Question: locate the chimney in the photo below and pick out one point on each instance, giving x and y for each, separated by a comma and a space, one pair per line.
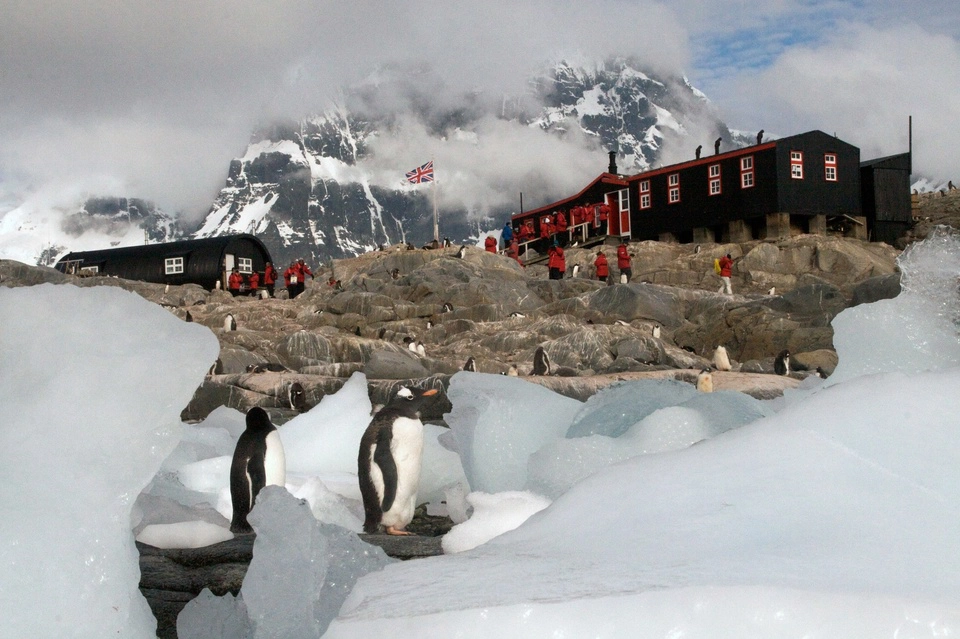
613, 162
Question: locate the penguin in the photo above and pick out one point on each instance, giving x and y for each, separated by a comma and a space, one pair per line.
447, 307
381, 332
576, 271
781, 365
462, 251
166, 289
517, 315
216, 368
356, 331
421, 351
395, 274
189, 317
541, 362
388, 464
656, 331
705, 381
697, 249
772, 291
622, 323
512, 371
721, 361
297, 397
429, 324
411, 344
470, 365
229, 323
447, 243
623, 278
258, 461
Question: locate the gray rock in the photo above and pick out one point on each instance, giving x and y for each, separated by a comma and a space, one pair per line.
385, 364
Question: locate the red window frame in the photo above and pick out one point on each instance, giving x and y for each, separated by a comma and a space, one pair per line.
746, 172
673, 190
796, 165
830, 167
714, 182
645, 202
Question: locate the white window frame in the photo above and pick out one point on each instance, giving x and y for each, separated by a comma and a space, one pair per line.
623, 199
245, 265
645, 201
796, 165
90, 270
830, 167
714, 173
746, 172
673, 193
173, 266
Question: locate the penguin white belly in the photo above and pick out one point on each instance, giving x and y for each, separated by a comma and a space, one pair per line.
406, 447
275, 462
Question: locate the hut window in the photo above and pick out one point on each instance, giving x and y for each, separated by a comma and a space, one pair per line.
746, 172
90, 270
796, 165
645, 194
173, 265
830, 167
674, 191
714, 179
245, 264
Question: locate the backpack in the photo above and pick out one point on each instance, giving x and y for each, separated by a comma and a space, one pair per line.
716, 265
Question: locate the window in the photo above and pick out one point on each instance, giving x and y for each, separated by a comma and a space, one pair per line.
623, 199
89, 270
746, 172
714, 179
673, 193
645, 194
830, 167
245, 264
796, 165
173, 265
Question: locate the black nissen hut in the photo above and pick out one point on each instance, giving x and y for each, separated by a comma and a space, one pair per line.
205, 262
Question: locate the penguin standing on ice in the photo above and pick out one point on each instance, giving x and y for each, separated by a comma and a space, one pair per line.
541, 362
388, 464
258, 461
781, 365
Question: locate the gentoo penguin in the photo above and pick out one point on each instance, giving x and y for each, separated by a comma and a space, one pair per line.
470, 365
781, 365
720, 359
388, 464
705, 381
166, 289
512, 371
656, 331
462, 251
541, 362
517, 315
697, 249
623, 278
258, 461
395, 274
429, 324
297, 397
772, 291
621, 323
421, 351
357, 332
189, 317
447, 307
576, 271
411, 344
229, 323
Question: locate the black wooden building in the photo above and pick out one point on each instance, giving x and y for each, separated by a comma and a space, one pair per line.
885, 193
805, 183
205, 262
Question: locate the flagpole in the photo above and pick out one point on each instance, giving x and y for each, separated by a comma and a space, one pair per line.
436, 225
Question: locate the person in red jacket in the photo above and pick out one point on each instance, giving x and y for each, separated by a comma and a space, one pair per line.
269, 278
291, 278
557, 262
513, 251
562, 227
235, 282
490, 244
726, 270
302, 271
623, 261
254, 283
604, 215
603, 269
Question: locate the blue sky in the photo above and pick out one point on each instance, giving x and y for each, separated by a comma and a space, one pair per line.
111, 95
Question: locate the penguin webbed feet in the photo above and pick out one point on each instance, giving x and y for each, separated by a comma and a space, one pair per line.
390, 530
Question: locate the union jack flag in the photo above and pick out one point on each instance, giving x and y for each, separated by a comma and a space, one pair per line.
421, 174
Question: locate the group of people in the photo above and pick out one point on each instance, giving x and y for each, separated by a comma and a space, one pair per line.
294, 279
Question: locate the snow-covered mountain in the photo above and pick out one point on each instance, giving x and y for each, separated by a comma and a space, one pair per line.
331, 185
310, 189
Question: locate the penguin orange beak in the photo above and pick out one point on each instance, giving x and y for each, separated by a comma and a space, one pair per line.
428, 393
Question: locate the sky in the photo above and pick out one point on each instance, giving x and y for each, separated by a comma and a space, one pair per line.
153, 100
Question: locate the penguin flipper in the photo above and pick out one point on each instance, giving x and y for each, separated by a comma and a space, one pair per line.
258, 474
383, 458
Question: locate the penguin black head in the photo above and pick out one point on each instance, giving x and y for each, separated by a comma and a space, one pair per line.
297, 397
409, 401
258, 420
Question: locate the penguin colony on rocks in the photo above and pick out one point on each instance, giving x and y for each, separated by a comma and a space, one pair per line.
388, 464
258, 461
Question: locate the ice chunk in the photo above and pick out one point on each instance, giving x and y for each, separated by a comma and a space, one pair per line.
498, 421
441, 467
207, 616
185, 534
330, 508
493, 515
206, 475
327, 438
616, 408
93, 383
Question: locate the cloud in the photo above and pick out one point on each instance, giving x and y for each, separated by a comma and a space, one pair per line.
862, 84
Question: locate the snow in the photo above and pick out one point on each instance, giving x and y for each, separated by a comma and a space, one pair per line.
830, 513
287, 147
